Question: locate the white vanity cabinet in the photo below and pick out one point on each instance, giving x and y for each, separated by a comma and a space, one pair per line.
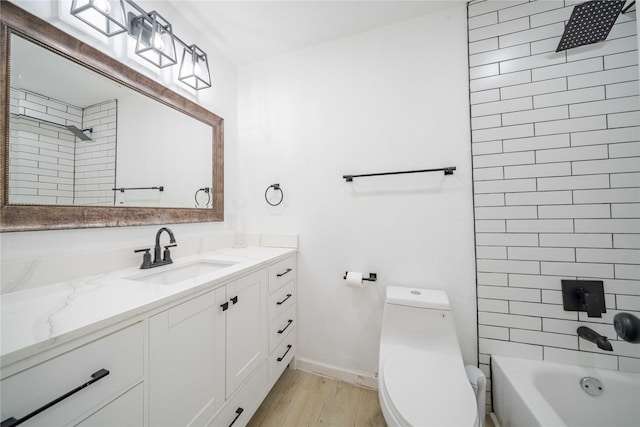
202, 350
246, 328
187, 361
205, 357
282, 316
113, 364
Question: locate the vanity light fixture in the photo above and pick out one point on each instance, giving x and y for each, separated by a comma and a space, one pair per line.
154, 36
194, 68
155, 40
106, 16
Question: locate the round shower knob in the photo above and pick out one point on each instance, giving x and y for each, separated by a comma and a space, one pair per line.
627, 327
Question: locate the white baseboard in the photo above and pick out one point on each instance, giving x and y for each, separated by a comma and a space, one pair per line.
363, 379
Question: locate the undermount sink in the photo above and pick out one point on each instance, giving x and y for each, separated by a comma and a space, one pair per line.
177, 274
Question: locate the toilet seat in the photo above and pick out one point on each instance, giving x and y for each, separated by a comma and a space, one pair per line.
420, 388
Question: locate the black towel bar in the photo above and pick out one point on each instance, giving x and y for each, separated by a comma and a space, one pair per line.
447, 171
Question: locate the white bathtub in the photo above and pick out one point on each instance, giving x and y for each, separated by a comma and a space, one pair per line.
535, 393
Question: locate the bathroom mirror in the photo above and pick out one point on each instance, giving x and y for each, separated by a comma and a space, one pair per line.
118, 161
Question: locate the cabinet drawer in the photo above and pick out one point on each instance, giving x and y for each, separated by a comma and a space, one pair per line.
121, 353
239, 409
281, 300
280, 358
125, 411
281, 327
281, 273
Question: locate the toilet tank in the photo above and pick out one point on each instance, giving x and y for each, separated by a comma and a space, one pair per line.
420, 319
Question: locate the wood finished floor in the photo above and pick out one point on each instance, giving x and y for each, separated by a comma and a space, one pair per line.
302, 399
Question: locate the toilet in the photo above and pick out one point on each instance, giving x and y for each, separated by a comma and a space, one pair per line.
421, 376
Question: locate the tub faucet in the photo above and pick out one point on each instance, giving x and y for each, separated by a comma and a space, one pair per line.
590, 335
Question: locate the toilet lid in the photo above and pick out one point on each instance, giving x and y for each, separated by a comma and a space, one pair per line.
429, 389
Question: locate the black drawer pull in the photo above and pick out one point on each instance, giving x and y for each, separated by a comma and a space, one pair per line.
239, 412
285, 353
282, 302
10, 422
224, 306
285, 328
234, 300
282, 274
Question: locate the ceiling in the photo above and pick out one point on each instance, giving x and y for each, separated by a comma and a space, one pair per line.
247, 31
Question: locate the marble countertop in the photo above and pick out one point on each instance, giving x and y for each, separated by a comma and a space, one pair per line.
36, 319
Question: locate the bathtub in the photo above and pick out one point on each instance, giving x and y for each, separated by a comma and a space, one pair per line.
536, 393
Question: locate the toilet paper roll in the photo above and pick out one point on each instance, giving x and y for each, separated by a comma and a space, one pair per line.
354, 279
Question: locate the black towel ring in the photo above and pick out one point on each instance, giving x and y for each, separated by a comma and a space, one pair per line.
276, 187
207, 192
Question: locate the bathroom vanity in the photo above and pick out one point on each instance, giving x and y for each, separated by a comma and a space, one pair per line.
198, 342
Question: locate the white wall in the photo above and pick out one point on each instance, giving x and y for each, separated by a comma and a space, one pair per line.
392, 99
221, 99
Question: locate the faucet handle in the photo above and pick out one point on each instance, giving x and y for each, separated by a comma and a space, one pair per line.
146, 258
591, 302
166, 255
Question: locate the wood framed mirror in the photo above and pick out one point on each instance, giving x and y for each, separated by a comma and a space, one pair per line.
16, 214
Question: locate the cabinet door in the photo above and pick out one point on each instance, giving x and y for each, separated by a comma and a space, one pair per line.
246, 327
186, 361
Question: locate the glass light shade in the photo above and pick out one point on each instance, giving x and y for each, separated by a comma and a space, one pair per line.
155, 40
106, 16
194, 68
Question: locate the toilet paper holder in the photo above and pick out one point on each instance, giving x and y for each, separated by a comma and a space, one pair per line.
372, 277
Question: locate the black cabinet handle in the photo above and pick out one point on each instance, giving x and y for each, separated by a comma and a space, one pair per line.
10, 422
239, 412
285, 353
234, 300
282, 274
285, 328
224, 306
282, 302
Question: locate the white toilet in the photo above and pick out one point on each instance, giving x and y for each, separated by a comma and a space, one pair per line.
421, 376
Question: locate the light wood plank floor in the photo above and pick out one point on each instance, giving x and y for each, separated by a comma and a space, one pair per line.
302, 399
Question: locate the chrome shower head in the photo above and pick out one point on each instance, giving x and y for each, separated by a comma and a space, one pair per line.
590, 22
80, 133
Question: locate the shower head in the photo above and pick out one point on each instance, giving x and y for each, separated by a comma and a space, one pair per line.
590, 22
80, 133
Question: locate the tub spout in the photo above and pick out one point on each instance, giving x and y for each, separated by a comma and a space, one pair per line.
590, 335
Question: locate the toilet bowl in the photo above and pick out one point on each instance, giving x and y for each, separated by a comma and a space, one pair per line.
421, 376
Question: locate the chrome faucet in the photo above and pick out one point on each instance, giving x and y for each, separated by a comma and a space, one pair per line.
158, 260
590, 335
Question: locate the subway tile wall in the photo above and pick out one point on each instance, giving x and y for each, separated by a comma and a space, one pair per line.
556, 158
47, 164
41, 155
95, 160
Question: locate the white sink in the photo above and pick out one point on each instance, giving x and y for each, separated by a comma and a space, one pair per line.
172, 275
